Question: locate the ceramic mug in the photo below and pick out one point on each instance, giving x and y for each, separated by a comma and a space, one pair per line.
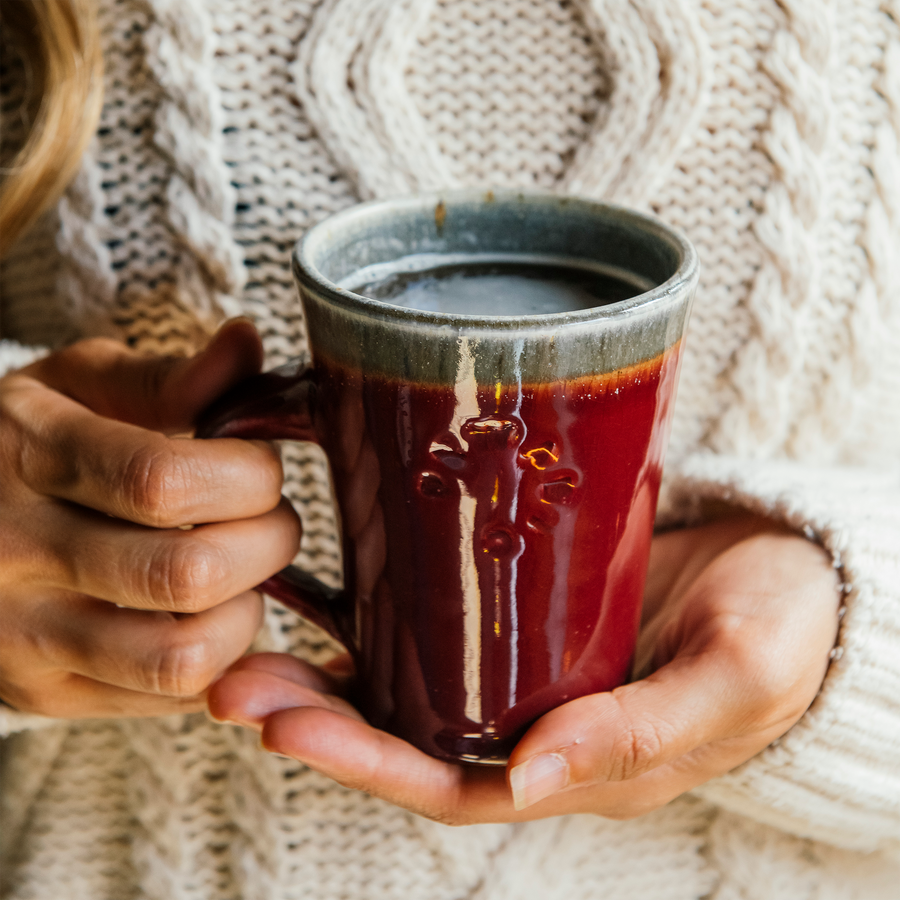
496, 474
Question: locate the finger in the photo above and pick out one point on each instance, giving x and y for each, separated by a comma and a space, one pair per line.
329, 735
340, 668
299, 671
152, 652
628, 799
620, 735
647, 792
246, 696
72, 696
157, 392
360, 757
68, 452
173, 569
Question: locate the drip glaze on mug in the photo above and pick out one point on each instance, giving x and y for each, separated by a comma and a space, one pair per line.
499, 537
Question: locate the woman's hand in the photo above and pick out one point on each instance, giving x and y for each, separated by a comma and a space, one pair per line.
109, 605
739, 620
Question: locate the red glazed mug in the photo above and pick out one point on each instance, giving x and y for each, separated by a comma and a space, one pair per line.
496, 471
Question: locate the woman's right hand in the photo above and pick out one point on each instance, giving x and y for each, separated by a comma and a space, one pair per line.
109, 605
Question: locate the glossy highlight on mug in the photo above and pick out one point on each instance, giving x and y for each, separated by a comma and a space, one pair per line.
500, 532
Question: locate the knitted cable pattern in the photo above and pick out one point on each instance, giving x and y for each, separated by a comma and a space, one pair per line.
176, 788
873, 321
188, 221
762, 864
768, 367
383, 96
199, 198
283, 177
858, 269
670, 99
75, 804
119, 226
526, 867
86, 278
341, 31
714, 192
286, 852
374, 79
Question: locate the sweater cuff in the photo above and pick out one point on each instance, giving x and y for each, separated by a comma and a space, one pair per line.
12, 720
15, 356
835, 776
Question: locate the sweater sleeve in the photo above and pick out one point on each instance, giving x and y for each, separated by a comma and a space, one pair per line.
14, 355
835, 776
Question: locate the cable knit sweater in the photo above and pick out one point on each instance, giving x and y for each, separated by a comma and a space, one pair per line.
767, 130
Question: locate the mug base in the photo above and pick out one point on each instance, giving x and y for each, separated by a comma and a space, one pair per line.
474, 749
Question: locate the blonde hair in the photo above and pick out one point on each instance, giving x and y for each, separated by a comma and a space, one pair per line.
61, 44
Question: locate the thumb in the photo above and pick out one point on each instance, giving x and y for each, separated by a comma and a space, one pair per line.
620, 735
163, 393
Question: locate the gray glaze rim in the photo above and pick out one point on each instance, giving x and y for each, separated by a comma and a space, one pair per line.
308, 275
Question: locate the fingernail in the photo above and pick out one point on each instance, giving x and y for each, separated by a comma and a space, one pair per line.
537, 778
227, 323
216, 721
223, 328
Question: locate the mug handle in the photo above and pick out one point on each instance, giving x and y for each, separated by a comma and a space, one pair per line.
280, 405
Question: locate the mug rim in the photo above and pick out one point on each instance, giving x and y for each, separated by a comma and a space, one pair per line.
309, 275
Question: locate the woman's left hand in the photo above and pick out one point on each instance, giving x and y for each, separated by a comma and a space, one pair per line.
739, 619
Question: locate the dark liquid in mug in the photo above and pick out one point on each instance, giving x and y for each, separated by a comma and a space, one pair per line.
496, 540
494, 286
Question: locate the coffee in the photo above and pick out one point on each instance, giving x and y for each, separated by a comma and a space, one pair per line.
510, 286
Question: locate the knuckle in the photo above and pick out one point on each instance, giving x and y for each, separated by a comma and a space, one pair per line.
155, 485
764, 682
183, 575
58, 366
30, 555
450, 817
771, 690
154, 377
451, 809
271, 469
89, 348
772, 699
88, 351
629, 809
635, 749
184, 668
767, 688
29, 445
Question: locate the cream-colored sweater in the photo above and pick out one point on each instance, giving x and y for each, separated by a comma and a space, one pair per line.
767, 130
